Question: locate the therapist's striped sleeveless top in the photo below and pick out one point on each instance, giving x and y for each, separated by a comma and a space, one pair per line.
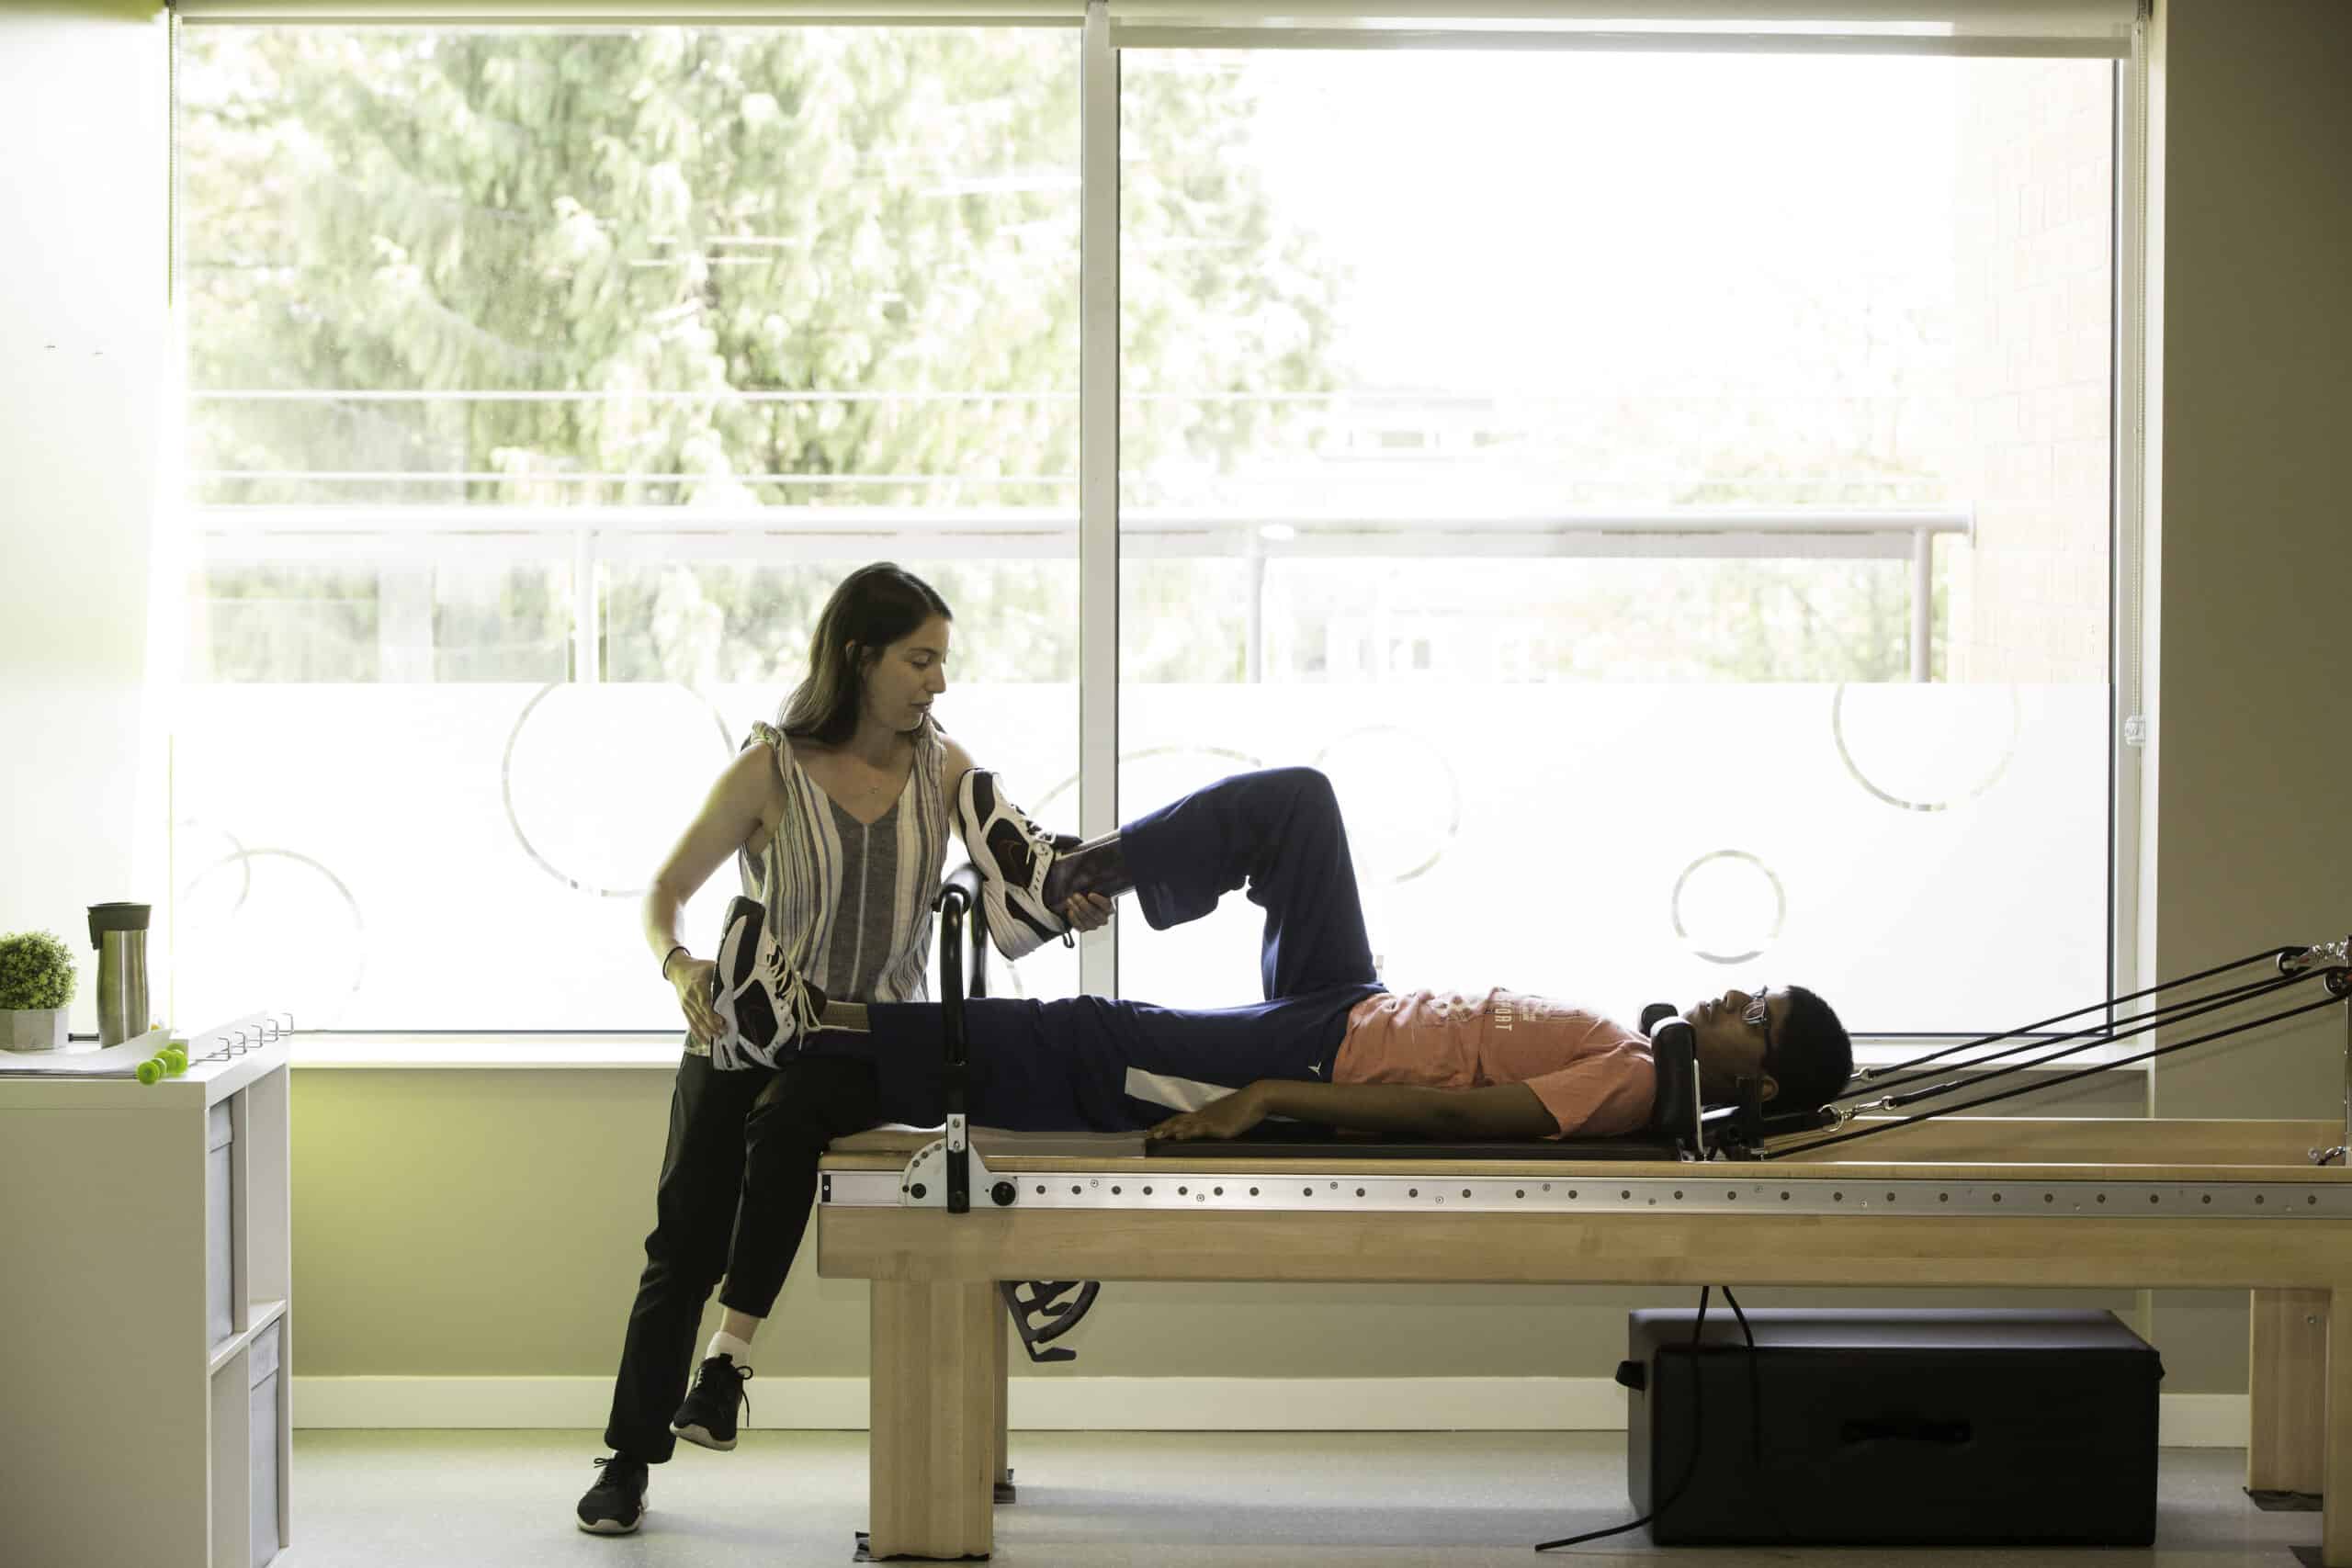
852, 901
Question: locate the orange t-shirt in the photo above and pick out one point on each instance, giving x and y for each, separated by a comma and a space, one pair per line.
1593, 1075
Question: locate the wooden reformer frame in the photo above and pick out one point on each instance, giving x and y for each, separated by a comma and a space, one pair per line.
1957, 1201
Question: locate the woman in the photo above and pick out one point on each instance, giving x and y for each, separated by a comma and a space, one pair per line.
839, 817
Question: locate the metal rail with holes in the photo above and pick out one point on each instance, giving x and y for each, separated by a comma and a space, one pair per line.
1306, 1191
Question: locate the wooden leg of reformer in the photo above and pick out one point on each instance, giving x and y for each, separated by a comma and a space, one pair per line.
2336, 1482
1001, 1346
932, 1454
2286, 1440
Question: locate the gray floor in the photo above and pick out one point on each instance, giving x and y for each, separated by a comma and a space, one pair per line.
379, 1499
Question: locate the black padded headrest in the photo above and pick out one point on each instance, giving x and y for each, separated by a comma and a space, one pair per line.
1674, 1109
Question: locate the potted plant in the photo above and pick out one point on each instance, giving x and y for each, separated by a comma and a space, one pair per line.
36, 984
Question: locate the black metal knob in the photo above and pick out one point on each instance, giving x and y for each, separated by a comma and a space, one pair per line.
1004, 1192
916, 1189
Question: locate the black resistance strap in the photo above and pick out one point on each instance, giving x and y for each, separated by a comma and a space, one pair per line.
2169, 1013
1867, 1079
1849, 1137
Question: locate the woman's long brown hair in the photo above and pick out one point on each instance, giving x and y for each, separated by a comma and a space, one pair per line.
874, 606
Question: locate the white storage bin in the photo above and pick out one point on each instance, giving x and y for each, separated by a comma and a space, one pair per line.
262, 1357
220, 1270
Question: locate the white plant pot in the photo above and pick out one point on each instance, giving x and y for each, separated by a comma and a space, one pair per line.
32, 1029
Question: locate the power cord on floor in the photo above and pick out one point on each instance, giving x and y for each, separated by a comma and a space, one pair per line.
1698, 1427
1689, 1469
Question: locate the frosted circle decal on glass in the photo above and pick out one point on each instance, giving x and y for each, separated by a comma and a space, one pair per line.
267, 927
1728, 906
598, 780
199, 843
1402, 800
1925, 746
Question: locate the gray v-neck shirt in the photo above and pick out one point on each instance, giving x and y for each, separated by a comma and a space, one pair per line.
864, 930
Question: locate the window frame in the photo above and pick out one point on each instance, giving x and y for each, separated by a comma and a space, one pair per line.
1105, 30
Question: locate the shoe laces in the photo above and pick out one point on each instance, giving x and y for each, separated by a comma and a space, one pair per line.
1040, 840
741, 1375
621, 1459
791, 990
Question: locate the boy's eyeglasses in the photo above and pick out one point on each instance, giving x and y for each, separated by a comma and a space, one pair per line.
1759, 1016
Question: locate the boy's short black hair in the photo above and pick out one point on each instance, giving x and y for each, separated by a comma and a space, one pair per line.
1813, 1056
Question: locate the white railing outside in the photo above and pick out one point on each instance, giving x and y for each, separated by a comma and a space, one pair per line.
586, 534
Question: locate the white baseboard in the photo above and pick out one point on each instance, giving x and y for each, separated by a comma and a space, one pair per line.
2203, 1420
1110, 1404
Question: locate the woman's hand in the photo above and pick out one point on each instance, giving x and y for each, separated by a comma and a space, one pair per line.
1227, 1118
1087, 911
691, 978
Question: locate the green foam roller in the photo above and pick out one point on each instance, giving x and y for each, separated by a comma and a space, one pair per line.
151, 1070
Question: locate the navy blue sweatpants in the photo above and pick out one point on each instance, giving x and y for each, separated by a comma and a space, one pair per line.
1101, 1063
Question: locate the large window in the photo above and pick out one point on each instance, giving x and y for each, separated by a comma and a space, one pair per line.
1670, 501
1667, 491
542, 385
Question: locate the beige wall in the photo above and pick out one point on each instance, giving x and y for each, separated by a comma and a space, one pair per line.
84, 129
488, 1223
2249, 615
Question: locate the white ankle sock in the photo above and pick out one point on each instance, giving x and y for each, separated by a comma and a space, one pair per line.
726, 1344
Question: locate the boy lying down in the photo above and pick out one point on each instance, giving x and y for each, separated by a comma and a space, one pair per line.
1328, 1044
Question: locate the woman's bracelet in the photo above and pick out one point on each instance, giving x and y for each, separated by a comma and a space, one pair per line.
669, 955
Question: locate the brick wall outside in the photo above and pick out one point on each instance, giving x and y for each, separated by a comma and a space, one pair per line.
2028, 601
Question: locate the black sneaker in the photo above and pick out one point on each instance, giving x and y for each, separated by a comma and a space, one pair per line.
616, 1504
707, 1416
766, 1007
1013, 855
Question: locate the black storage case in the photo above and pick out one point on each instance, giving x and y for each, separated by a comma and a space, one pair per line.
1930, 1428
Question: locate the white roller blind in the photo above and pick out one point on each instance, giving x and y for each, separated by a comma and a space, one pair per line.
2095, 28
2091, 29
546, 13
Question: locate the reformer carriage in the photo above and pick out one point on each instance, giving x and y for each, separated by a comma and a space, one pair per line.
951, 1230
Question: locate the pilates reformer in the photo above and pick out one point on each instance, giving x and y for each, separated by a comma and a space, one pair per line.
951, 1235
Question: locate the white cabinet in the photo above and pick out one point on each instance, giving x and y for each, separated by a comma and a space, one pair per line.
145, 1278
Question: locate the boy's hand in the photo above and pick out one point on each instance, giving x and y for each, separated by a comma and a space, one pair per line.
1227, 1118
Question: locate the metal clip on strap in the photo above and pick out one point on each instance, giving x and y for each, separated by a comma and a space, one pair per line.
2335, 954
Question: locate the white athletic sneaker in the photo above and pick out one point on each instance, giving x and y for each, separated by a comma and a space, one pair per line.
766, 1007
1013, 854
